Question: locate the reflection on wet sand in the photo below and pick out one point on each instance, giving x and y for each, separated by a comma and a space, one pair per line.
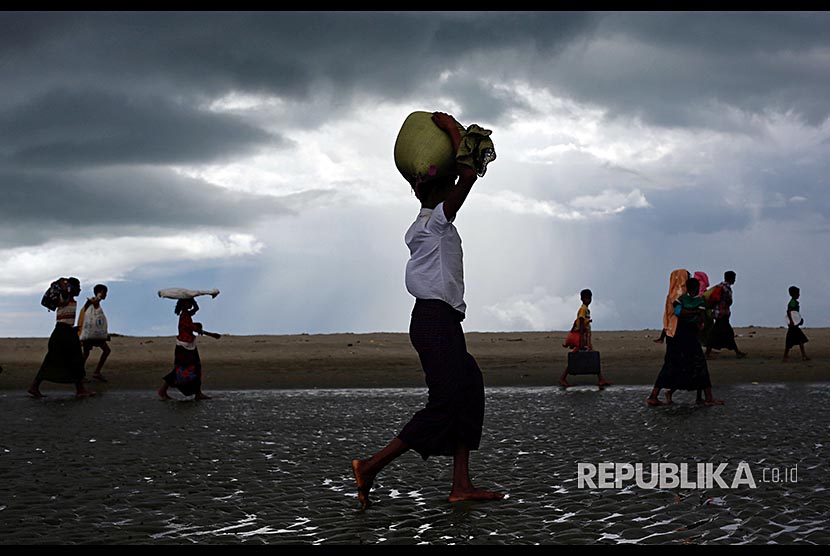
273, 467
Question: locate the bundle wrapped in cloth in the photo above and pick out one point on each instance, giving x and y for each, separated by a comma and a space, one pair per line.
424, 151
183, 293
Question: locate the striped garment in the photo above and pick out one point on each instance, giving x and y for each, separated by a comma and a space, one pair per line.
66, 313
454, 413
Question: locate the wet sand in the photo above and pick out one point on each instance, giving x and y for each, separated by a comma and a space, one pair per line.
272, 467
388, 360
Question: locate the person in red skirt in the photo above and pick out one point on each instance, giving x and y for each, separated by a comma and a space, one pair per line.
187, 367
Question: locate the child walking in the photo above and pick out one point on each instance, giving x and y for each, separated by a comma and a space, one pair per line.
579, 337
187, 367
795, 336
451, 423
684, 366
100, 291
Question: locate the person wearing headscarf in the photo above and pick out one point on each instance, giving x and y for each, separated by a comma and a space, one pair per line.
708, 321
684, 366
677, 287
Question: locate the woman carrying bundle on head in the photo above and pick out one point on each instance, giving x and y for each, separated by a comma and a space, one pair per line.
187, 367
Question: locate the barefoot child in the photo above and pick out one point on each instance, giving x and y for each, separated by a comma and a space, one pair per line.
795, 336
580, 336
451, 422
187, 367
100, 291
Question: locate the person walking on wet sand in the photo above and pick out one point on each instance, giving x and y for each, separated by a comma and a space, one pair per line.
684, 367
677, 287
795, 336
101, 336
722, 335
451, 423
579, 338
64, 361
187, 367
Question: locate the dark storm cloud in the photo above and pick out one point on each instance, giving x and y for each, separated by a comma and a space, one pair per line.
86, 90
282, 53
675, 68
669, 68
38, 206
91, 128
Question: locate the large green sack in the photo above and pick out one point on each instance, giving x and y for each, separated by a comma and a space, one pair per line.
423, 151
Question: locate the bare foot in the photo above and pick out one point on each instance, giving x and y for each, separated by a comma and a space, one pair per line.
603, 383
474, 494
363, 482
668, 398
163, 394
35, 392
714, 402
201, 396
654, 402
84, 394
564, 383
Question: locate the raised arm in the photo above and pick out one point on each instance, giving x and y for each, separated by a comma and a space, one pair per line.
466, 175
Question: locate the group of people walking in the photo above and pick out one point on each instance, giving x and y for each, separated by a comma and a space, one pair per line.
451, 422
696, 315
70, 345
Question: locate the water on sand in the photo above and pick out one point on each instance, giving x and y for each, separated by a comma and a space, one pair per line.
273, 467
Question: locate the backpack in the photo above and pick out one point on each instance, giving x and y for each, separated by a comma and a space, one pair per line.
713, 295
52, 296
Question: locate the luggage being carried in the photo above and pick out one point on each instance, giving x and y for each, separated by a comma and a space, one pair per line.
184, 293
424, 151
93, 324
583, 363
713, 295
52, 296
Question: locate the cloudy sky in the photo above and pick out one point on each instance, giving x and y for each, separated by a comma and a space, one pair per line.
252, 152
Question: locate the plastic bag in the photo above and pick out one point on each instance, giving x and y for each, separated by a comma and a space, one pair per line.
94, 324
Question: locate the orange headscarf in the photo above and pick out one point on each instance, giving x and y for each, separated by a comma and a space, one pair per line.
677, 287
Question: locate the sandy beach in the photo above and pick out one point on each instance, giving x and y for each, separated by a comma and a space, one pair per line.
388, 360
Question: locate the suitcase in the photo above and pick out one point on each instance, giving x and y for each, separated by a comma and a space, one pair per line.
583, 363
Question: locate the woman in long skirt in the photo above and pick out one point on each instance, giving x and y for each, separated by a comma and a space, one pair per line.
187, 366
64, 361
684, 366
795, 336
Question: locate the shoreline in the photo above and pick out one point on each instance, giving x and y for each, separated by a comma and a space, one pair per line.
387, 360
